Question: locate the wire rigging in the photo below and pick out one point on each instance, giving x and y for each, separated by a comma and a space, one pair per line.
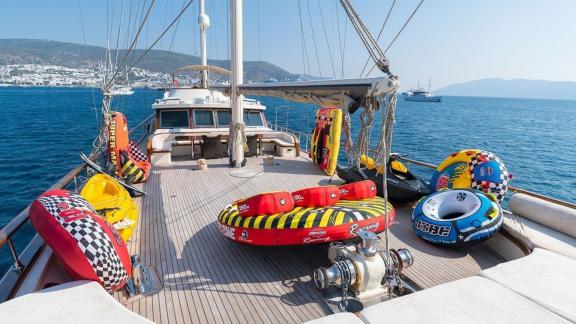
326, 38
158, 38
132, 45
314, 40
305, 52
400, 31
379, 35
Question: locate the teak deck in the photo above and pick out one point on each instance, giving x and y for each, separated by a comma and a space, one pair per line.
210, 279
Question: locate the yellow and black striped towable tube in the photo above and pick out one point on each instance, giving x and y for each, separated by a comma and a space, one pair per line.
307, 225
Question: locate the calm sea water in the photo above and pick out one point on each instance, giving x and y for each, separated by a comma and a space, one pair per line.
45, 129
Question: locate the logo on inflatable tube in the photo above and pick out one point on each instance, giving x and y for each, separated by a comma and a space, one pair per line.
355, 228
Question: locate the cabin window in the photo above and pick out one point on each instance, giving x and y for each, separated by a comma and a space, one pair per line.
253, 118
203, 118
174, 119
224, 117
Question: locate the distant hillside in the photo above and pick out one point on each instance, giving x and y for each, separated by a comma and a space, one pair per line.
32, 51
514, 88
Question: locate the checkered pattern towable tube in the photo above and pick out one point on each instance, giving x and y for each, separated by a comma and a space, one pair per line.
475, 169
88, 246
126, 156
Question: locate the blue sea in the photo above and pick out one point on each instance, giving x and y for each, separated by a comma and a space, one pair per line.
45, 129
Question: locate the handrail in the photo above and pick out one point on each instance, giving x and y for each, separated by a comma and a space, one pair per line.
299, 134
512, 188
17, 222
22, 217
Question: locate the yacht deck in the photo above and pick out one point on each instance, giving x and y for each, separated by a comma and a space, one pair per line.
210, 279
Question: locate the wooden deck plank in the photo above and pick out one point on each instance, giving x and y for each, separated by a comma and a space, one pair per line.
210, 279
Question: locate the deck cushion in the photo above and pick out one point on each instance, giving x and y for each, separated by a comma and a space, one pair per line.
537, 235
470, 300
544, 277
74, 302
339, 318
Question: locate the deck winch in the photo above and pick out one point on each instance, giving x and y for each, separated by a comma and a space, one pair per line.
362, 268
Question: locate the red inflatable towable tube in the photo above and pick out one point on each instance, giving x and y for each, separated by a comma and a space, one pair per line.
89, 247
358, 190
130, 162
266, 204
316, 196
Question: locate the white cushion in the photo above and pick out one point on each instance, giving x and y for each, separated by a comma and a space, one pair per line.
339, 318
537, 235
470, 300
546, 278
73, 302
558, 217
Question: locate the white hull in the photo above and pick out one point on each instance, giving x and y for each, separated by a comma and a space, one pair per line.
424, 98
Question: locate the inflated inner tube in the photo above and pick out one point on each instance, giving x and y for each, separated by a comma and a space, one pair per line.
457, 217
476, 169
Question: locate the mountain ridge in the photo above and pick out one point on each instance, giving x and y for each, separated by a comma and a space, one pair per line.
512, 88
72, 55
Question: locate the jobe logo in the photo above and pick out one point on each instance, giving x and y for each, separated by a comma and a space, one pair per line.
461, 196
432, 228
355, 228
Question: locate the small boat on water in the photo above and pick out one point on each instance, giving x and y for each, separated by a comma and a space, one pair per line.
122, 91
421, 94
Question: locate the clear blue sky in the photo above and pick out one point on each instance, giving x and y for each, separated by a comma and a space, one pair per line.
448, 40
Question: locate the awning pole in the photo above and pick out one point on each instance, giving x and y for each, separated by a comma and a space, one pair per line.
236, 79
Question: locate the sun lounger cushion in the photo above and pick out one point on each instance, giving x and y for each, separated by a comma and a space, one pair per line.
546, 278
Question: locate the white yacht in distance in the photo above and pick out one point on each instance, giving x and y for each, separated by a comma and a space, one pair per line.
420, 94
122, 90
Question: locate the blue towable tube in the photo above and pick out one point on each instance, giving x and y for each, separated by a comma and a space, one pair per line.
459, 217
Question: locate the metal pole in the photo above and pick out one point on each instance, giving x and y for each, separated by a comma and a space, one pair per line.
204, 23
236, 78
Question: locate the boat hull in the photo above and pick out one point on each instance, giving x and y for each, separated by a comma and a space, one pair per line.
423, 99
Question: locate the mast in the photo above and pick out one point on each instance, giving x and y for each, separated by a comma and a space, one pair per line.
204, 23
236, 134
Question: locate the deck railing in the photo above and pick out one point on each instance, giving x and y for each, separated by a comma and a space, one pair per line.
23, 260
303, 138
510, 188
514, 189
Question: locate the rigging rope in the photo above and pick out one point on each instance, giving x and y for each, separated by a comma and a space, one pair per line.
157, 39
326, 38
339, 38
399, 32
306, 62
131, 48
369, 42
314, 39
119, 32
379, 35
